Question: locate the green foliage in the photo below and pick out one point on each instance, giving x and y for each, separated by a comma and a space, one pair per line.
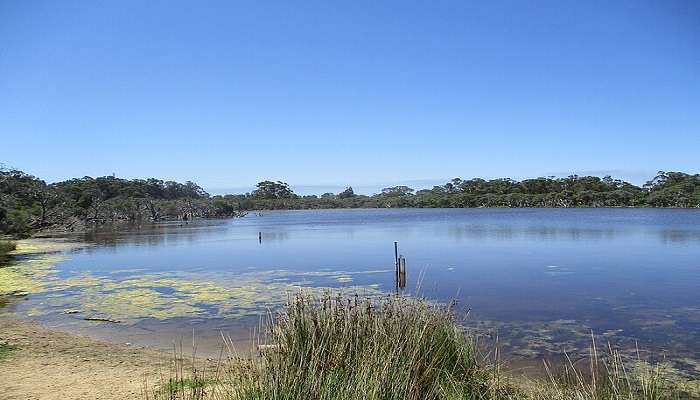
193, 387
268, 190
674, 189
669, 190
397, 191
347, 193
28, 204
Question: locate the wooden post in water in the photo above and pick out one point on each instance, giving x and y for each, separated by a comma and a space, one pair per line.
396, 265
402, 272
259, 237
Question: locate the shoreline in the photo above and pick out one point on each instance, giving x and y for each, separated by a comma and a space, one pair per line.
88, 227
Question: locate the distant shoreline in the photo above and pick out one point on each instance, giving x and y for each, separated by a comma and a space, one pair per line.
89, 227
30, 205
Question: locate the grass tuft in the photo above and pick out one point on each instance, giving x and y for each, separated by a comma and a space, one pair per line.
194, 386
399, 348
6, 349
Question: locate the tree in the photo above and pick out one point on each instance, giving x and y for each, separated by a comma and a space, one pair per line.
272, 190
347, 193
397, 191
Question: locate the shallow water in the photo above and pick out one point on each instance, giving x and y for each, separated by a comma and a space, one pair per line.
538, 279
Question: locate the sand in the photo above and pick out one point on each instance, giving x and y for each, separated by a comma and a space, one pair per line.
55, 365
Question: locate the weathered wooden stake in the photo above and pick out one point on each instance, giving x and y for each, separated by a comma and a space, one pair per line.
259, 237
396, 266
402, 272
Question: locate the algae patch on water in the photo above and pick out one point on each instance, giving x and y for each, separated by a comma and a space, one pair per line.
129, 295
28, 276
131, 303
33, 266
42, 246
171, 295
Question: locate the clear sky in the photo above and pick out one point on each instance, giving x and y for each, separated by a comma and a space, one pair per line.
323, 94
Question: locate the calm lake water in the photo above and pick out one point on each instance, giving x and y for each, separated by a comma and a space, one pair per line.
541, 280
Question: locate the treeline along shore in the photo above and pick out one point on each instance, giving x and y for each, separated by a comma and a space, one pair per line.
28, 204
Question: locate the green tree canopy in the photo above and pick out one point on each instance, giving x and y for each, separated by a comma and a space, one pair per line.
273, 190
347, 193
397, 191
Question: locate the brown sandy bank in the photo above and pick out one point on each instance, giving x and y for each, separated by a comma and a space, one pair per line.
54, 365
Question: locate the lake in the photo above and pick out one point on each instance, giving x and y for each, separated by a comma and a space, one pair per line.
538, 280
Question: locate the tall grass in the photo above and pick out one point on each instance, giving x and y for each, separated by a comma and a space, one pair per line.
395, 349
401, 349
610, 376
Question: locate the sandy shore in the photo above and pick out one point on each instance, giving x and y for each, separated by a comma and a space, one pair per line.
55, 365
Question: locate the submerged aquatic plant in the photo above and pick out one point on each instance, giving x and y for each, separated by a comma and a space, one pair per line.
130, 295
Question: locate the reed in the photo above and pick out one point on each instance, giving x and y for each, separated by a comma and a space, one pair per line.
611, 376
395, 348
398, 348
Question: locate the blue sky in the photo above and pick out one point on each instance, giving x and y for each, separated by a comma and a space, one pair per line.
323, 94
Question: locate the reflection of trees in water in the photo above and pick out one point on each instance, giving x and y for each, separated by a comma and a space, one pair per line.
679, 236
173, 232
275, 235
469, 231
481, 231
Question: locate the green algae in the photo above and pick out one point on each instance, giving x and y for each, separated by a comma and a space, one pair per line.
29, 275
672, 377
33, 267
15, 281
159, 296
164, 296
42, 246
132, 303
